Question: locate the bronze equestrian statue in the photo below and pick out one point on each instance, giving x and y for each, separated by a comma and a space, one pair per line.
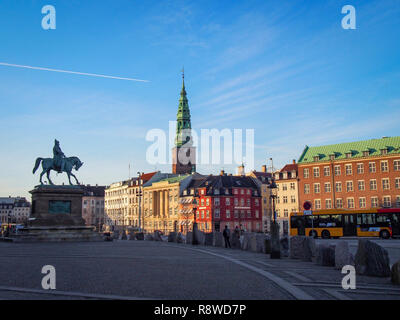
59, 163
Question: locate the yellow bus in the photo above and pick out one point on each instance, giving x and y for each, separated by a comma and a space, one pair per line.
384, 223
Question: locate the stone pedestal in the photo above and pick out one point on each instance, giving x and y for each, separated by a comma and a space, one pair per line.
275, 243
57, 216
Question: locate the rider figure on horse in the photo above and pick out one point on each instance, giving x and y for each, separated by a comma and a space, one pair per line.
58, 156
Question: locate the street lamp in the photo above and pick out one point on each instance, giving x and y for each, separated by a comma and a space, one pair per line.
139, 194
194, 230
275, 243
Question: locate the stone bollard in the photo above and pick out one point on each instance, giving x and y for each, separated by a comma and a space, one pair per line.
284, 246
343, 257
308, 249
395, 273
148, 237
267, 245
123, 235
371, 259
234, 239
218, 240
172, 237
325, 255
208, 239
275, 242
157, 236
179, 238
189, 236
260, 237
139, 236
297, 247
115, 235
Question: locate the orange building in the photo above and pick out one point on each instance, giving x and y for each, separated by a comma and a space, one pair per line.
356, 175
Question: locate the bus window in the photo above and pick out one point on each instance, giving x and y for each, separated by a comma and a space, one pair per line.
336, 220
368, 218
324, 221
311, 221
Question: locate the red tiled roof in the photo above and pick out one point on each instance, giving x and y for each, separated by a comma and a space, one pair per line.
147, 176
289, 168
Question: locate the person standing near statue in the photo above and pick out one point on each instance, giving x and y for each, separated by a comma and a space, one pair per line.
58, 156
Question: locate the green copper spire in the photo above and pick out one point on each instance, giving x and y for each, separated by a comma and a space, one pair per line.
183, 117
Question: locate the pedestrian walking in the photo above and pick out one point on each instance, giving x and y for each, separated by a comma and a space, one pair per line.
227, 234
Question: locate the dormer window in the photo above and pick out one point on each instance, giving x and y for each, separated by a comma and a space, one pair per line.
332, 156
316, 158
384, 151
216, 191
192, 191
276, 176
285, 175
226, 191
293, 174
349, 154
366, 153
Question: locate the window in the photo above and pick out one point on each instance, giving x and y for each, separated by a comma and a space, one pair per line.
360, 168
306, 188
349, 186
207, 201
339, 203
372, 184
362, 203
350, 203
228, 201
327, 171
217, 213
387, 202
286, 213
372, 167
257, 214
397, 201
228, 214
374, 202
236, 212
285, 200
327, 187
396, 164
361, 185
384, 166
316, 172
317, 204
397, 183
328, 204
236, 201
292, 186
293, 199
337, 171
385, 184
349, 169
216, 201
306, 173
317, 188
284, 187
338, 186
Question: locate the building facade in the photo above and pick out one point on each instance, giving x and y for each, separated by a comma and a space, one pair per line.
264, 179
358, 175
93, 206
124, 201
161, 202
287, 200
14, 210
226, 200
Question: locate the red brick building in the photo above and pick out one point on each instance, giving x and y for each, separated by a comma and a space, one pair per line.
357, 175
226, 200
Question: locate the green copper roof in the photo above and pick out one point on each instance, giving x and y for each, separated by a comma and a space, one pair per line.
183, 117
374, 146
175, 179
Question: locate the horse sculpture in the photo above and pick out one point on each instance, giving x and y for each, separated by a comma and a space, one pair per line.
48, 165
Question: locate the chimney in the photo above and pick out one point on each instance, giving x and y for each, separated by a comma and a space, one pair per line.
264, 168
294, 161
241, 170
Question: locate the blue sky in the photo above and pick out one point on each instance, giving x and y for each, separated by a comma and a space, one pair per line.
283, 68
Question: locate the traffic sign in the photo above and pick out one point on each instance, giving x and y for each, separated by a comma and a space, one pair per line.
307, 205
308, 212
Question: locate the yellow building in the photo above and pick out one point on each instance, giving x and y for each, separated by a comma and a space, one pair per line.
161, 202
287, 200
264, 180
